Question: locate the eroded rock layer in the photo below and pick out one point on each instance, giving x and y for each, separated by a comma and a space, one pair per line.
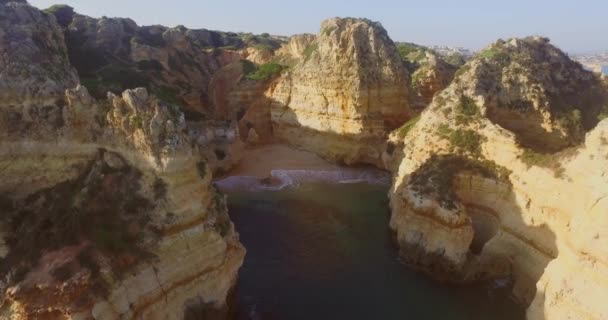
475, 196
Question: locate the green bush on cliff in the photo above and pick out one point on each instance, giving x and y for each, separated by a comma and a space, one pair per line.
168, 95
466, 110
248, 67
436, 176
467, 141
405, 49
495, 54
407, 127
266, 71
312, 48
544, 160
455, 59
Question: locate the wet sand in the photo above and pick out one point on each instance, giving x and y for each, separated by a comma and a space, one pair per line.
259, 161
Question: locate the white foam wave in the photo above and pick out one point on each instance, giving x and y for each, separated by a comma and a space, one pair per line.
280, 179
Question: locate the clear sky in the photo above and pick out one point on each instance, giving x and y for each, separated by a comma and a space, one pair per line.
576, 26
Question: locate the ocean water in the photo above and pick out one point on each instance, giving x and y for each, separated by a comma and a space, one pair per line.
323, 251
605, 70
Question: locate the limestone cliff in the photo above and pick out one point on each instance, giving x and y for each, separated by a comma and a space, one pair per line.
107, 209
344, 95
476, 194
177, 64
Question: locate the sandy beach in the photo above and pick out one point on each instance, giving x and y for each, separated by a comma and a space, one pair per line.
260, 161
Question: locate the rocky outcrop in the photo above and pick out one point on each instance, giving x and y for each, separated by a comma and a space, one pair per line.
431, 77
474, 196
35, 69
108, 211
346, 93
293, 51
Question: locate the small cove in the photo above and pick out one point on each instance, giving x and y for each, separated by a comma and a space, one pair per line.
323, 251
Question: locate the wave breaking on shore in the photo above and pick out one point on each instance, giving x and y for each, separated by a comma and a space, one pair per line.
280, 179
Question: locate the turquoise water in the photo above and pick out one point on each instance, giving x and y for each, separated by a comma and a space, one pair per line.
324, 252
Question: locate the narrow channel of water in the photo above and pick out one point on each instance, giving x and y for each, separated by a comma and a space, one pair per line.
323, 251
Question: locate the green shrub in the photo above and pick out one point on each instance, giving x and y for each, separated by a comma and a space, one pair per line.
312, 48
436, 176
248, 67
455, 59
168, 95
462, 70
405, 49
544, 160
444, 131
266, 71
264, 47
494, 54
466, 110
467, 141
407, 127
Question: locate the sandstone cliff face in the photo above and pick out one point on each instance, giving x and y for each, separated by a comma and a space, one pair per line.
474, 197
108, 211
346, 93
432, 76
292, 51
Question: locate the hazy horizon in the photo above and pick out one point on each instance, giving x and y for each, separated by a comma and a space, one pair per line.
472, 24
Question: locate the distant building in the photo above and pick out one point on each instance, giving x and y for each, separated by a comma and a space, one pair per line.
447, 51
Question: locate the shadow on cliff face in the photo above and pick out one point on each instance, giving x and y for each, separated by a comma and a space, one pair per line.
504, 244
364, 148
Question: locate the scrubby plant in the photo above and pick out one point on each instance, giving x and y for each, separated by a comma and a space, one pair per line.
466, 111
455, 59
405, 49
466, 141
407, 127
495, 54
310, 49
550, 161
462, 70
248, 67
444, 131
436, 176
266, 71
168, 95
